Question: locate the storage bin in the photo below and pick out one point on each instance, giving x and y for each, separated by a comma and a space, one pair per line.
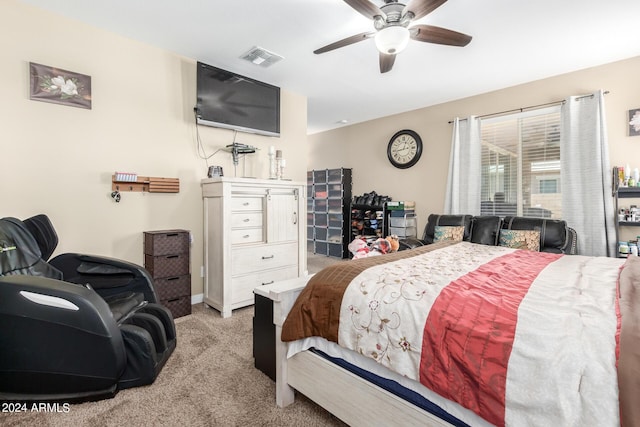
320, 191
320, 220
180, 306
167, 265
334, 235
402, 221
320, 176
320, 205
403, 232
336, 221
166, 242
320, 248
321, 234
400, 205
335, 206
334, 175
402, 213
173, 287
335, 250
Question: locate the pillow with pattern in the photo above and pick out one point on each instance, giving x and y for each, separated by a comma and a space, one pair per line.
442, 233
520, 239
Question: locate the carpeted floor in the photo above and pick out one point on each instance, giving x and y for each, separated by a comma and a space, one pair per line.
209, 380
316, 262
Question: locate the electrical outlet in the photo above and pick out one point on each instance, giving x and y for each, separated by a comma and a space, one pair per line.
202, 271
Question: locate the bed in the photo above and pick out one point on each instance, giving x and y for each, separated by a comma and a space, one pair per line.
489, 335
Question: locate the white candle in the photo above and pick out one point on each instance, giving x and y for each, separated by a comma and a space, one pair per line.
272, 149
283, 163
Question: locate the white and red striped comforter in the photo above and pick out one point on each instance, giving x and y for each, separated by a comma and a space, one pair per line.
518, 337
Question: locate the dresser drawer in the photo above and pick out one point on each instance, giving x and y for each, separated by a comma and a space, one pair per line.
166, 242
258, 258
246, 219
250, 235
239, 204
173, 287
167, 265
242, 287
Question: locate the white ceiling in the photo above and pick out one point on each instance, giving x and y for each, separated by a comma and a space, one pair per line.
514, 41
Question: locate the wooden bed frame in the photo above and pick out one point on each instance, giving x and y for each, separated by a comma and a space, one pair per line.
347, 396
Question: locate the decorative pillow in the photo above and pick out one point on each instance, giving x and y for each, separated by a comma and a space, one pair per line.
448, 233
520, 239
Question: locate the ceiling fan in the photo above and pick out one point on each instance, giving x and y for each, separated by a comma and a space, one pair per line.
392, 32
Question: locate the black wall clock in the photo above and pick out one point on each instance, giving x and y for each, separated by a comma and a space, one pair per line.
404, 149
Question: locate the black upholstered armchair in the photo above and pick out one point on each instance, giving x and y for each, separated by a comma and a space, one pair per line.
107, 276
78, 327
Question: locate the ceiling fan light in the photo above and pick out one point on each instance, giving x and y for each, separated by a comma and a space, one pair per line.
392, 40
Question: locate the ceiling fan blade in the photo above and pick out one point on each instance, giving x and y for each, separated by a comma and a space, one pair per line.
432, 34
386, 62
344, 42
420, 8
366, 8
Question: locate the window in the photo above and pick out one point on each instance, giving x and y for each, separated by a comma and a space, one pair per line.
548, 186
521, 164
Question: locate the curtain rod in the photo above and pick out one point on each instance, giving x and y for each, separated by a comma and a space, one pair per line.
532, 107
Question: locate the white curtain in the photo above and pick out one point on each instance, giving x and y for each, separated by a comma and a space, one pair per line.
463, 182
587, 203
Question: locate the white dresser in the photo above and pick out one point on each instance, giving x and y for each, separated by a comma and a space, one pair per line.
254, 235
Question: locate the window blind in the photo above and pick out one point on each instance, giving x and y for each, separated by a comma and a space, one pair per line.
521, 164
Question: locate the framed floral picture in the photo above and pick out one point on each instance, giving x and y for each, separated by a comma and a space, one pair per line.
634, 122
50, 84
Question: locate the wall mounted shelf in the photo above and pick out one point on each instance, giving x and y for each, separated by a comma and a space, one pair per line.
147, 183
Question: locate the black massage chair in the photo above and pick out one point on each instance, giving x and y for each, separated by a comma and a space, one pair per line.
76, 327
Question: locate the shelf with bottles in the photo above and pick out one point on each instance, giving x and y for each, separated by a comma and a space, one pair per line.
628, 192
626, 185
626, 179
628, 248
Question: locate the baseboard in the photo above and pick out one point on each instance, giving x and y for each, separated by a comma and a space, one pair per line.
196, 299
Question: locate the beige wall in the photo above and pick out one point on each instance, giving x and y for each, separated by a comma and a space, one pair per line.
59, 160
363, 146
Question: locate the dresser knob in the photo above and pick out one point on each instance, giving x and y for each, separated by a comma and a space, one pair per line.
268, 257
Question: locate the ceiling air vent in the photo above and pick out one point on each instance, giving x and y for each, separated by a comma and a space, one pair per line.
262, 57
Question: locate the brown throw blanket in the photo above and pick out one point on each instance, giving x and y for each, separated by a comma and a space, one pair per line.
308, 319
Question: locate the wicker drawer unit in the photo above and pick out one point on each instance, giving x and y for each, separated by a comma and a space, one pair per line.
166, 257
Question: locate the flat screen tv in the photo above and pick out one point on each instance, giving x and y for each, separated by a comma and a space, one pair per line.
229, 100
